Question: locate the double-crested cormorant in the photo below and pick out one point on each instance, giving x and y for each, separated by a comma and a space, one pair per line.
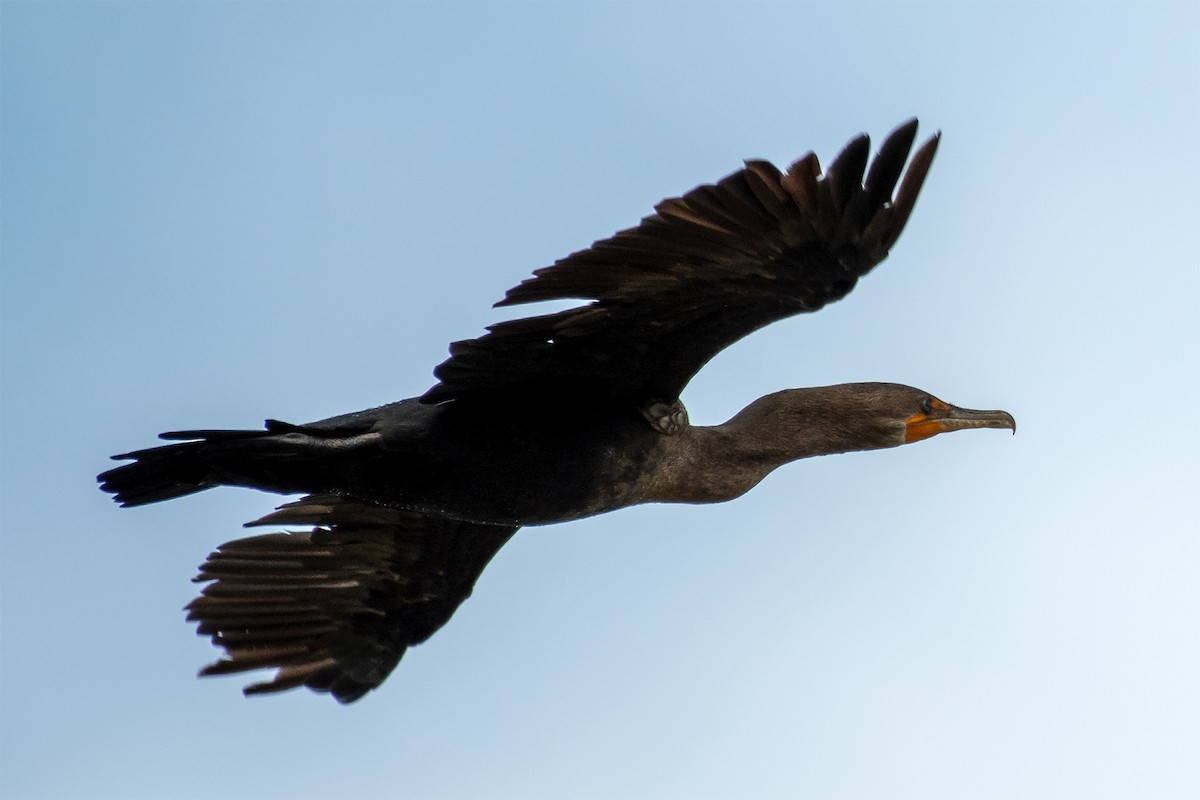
548, 419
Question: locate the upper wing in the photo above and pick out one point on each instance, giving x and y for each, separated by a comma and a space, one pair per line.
707, 269
335, 608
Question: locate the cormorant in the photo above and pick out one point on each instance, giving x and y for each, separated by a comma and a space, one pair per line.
547, 419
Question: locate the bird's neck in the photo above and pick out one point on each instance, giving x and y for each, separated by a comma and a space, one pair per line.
712, 464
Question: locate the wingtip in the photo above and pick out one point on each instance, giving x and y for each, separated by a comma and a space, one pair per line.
910, 187
909, 125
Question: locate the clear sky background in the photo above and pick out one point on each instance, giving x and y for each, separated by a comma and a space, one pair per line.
214, 213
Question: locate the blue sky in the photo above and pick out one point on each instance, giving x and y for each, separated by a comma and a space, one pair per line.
214, 213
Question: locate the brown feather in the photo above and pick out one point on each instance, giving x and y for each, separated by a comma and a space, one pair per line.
334, 608
709, 267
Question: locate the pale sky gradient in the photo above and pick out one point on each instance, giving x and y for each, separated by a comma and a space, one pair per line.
218, 212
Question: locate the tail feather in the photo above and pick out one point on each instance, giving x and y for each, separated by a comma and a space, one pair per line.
157, 473
208, 435
175, 470
282, 457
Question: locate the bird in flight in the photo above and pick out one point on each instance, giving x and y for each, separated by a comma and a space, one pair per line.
547, 419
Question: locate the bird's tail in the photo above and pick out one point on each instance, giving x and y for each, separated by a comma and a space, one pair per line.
275, 459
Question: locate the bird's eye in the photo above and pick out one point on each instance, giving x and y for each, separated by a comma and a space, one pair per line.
927, 405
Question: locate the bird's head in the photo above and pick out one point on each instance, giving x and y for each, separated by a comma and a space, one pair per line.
855, 416
891, 414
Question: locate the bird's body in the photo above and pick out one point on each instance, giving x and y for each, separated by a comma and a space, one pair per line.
507, 464
548, 419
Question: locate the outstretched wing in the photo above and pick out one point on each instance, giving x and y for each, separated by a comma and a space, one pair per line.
707, 269
334, 608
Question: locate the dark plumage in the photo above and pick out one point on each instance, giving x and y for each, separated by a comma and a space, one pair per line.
548, 419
